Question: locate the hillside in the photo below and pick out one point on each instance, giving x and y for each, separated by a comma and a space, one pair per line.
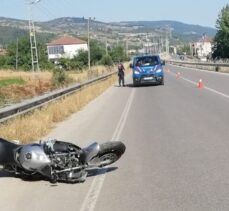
10, 29
175, 26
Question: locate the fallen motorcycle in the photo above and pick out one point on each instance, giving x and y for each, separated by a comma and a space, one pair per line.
57, 161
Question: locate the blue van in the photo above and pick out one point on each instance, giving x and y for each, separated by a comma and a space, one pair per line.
147, 69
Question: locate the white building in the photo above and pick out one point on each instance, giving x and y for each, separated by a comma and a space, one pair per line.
65, 47
203, 47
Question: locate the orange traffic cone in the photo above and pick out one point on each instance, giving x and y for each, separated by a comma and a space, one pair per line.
200, 84
178, 75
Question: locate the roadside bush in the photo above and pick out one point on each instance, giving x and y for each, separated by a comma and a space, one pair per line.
3, 60
60, 77
77, 65
106, 60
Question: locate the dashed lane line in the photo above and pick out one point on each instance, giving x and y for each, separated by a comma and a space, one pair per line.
92, 196
205, 87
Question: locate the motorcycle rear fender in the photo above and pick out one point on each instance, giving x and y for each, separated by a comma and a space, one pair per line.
89, 152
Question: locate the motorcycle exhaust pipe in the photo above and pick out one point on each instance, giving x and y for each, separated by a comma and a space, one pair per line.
69, 169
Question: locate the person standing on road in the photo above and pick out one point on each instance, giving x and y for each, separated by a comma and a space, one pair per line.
121, 74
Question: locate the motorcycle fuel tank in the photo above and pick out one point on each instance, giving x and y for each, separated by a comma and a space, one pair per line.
32, 157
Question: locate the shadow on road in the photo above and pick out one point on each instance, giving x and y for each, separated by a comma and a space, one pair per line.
5, 174
127, 85
28, 178
140, 86
37, 177
100, 171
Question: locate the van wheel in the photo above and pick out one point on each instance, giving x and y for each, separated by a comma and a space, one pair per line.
162, 82
135, 84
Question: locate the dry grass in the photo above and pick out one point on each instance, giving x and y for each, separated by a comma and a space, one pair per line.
94, 72
35, 84
39, 83
27, 76
47, 76
31, 127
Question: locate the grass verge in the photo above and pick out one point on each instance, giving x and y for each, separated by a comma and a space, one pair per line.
13, 81
33, 126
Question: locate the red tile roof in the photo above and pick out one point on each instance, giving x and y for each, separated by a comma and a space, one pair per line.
67, 40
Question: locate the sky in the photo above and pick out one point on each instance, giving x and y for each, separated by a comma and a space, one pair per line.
201, 12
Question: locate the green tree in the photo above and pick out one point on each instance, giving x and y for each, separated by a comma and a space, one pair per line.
221, 46
97, 51
4, 61
82, 57
24, 59
118, 54
24, 55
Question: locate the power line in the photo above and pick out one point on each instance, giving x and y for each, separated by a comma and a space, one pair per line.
50, 11
47, 12
32, 35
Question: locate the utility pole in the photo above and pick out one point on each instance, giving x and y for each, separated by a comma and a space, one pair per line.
191, 49
88, 43
16, 66
117, 41
127, 46
32, 35
147, 45
106, 47
167, 41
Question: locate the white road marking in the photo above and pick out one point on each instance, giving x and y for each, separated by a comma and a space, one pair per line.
201, 70
205, 87
92, 196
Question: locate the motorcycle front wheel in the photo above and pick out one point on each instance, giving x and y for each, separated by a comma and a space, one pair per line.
110, 152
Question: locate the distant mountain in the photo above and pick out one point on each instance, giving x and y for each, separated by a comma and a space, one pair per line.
69, 25
179, 29
10, 28
175, 26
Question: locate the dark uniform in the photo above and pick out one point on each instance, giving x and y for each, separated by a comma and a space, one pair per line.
121, 74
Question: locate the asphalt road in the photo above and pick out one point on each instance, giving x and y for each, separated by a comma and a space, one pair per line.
177, 155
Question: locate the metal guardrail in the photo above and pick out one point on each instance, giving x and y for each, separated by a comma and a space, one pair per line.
210, 66
37, 102
199, 63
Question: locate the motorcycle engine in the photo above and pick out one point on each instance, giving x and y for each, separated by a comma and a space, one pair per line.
62, 155
62, 161
55, 159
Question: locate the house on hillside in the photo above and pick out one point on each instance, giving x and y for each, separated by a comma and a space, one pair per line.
203, 48
65, 47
